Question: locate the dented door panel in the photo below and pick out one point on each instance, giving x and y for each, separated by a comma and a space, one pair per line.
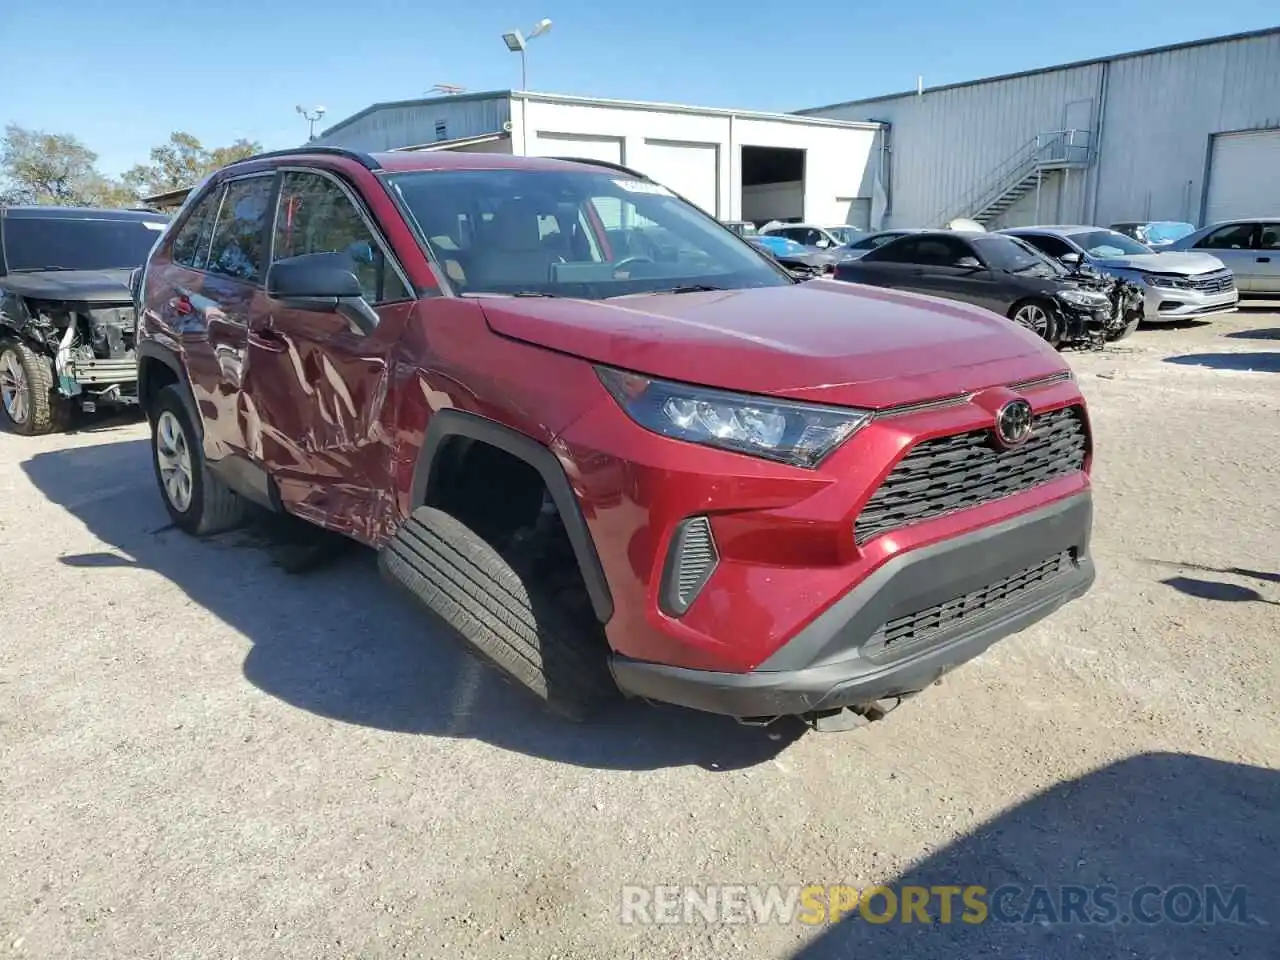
314, 413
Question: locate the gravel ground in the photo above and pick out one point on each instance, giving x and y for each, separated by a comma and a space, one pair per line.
203, 755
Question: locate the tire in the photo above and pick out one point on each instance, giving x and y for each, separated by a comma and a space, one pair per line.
31, 402
1130, 325
503, 616
198, 502
1045, 327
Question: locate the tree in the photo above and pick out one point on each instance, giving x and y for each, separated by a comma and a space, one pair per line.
47, 168
183, 162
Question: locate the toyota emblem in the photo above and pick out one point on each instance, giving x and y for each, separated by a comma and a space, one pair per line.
1013, 423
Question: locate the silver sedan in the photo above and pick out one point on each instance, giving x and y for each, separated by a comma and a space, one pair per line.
1251, 248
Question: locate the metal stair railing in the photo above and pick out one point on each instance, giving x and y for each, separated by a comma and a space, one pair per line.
1042, 150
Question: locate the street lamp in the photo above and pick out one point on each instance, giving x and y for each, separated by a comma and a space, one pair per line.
516, 42
311, 118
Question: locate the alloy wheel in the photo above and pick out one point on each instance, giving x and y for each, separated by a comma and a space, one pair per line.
1034, 318
14, 389
173, 457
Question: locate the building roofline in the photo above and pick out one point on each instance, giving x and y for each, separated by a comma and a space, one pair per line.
1149, 51
598, 102
570, 100
417, 102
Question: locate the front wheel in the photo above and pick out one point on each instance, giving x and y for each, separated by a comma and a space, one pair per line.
1131, 321
1038, 317
198, 501
31, 403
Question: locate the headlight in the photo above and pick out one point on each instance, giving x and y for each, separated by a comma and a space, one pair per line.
1163, 280
800, 434
1082, 298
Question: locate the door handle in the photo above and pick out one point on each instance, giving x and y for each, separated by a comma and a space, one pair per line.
1264, 259
264, 334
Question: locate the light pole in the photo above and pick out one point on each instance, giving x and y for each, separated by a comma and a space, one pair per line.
311, 118
517, 42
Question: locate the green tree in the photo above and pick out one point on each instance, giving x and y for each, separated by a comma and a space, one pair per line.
183, 162
49, 168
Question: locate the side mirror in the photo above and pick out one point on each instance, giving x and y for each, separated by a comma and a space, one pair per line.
969, 263
823, 243
1070, 259
323, 283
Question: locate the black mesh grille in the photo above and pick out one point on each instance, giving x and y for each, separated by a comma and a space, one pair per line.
902, 635
953, 473
696, 560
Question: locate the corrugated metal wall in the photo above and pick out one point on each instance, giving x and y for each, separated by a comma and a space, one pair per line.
415, 122
1160, 110
948, 143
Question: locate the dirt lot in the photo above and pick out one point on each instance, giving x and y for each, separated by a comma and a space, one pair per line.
204, 756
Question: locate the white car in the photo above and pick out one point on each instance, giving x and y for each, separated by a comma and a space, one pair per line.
1177, 286
811, 235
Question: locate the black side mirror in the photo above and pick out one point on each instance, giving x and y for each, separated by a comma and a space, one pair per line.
323, 283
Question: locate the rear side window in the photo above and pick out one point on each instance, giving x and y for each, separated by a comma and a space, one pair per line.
904, 250
236, 250
1053, 246
191, 244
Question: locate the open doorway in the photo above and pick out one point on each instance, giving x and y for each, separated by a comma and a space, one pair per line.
772, 184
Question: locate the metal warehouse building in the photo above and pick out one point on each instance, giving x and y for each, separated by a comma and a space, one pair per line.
736, 165
1188, 132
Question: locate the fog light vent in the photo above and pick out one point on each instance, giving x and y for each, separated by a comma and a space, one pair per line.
691, 560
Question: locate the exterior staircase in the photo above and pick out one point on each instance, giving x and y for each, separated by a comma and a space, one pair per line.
1019, 174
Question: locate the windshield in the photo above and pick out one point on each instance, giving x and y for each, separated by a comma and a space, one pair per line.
1015, 256
573, 233
66, 243
1108, 243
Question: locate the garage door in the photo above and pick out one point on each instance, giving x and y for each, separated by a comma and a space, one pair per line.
1244, 176
547, 144
690, 169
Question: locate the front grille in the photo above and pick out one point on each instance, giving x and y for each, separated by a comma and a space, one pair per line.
1219, 281
902, 635
965, 470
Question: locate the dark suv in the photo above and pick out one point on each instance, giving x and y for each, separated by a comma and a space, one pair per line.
608, 443
66, 311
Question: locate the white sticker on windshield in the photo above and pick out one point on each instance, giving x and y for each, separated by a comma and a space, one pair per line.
639, 186
152, 225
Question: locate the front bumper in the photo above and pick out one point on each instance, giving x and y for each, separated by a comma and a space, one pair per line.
920, 614
1164, 304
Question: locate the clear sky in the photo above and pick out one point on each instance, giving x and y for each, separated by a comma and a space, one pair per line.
122, 74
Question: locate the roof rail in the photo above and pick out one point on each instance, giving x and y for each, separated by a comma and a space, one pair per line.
360, 157
607, 164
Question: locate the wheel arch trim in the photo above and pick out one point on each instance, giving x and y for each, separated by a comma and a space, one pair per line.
150, 350
447, 424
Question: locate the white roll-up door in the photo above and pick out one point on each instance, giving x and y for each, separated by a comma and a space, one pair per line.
690, 169
1244, 176
550, 144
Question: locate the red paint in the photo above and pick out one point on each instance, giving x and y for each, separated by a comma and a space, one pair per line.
338, 419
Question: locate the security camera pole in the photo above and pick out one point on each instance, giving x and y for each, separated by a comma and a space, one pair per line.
311, 118
517, 42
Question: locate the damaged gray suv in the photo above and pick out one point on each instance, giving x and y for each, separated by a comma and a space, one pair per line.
67, 315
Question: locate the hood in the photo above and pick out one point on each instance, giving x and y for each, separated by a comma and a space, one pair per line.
1186, 264
72, 286
824, 341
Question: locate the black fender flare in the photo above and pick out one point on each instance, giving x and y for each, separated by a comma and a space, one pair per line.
150, 350
446, 424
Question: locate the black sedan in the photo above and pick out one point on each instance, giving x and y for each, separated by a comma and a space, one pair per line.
1001, 273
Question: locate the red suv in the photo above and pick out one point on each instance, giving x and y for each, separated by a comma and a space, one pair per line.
605, 440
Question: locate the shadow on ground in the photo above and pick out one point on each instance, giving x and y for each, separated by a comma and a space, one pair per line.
1263, 333
341, 643
1155, 821
1259, 362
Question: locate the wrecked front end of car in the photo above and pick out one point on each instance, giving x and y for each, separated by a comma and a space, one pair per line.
90, 342
1094, 308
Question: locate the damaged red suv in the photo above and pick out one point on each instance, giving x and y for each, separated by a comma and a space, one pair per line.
610, 445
